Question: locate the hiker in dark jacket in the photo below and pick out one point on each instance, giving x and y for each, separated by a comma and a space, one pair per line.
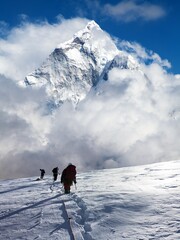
55, 173
42, 173
68, 176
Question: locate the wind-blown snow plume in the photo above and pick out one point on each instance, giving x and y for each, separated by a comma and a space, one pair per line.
128, 114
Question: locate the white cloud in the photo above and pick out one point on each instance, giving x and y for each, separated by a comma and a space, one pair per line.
27, 45
128, 122
141, 53
131, 119
131, 10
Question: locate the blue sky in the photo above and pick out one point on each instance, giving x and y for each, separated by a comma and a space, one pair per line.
153, 24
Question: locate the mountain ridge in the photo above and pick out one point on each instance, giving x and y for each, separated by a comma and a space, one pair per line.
79, 64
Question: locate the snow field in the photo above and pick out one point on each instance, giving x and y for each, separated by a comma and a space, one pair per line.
135, 203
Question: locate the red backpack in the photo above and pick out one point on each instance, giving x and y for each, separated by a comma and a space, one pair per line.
70, 172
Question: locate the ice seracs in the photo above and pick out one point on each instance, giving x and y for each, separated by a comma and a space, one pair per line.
74, 67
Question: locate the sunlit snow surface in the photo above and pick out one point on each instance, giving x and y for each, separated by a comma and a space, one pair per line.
128, 203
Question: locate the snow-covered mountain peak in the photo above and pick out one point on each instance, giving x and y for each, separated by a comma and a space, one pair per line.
88, 30
93, 40
92, 24
77, 65
83, 34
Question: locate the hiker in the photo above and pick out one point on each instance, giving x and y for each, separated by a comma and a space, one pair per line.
68, 176
42, 173
55, 173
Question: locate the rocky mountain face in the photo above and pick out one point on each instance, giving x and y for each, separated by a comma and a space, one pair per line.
74, 67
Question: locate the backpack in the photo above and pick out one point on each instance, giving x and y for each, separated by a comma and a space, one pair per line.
55, 170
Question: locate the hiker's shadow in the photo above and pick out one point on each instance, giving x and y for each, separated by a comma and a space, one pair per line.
30, 206
15, 189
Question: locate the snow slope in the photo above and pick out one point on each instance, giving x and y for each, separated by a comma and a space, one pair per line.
128, 203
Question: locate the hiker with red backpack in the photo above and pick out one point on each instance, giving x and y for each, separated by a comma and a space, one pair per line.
68, 176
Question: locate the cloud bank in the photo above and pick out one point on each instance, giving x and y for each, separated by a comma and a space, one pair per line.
131, 10
29, 44
131, 119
